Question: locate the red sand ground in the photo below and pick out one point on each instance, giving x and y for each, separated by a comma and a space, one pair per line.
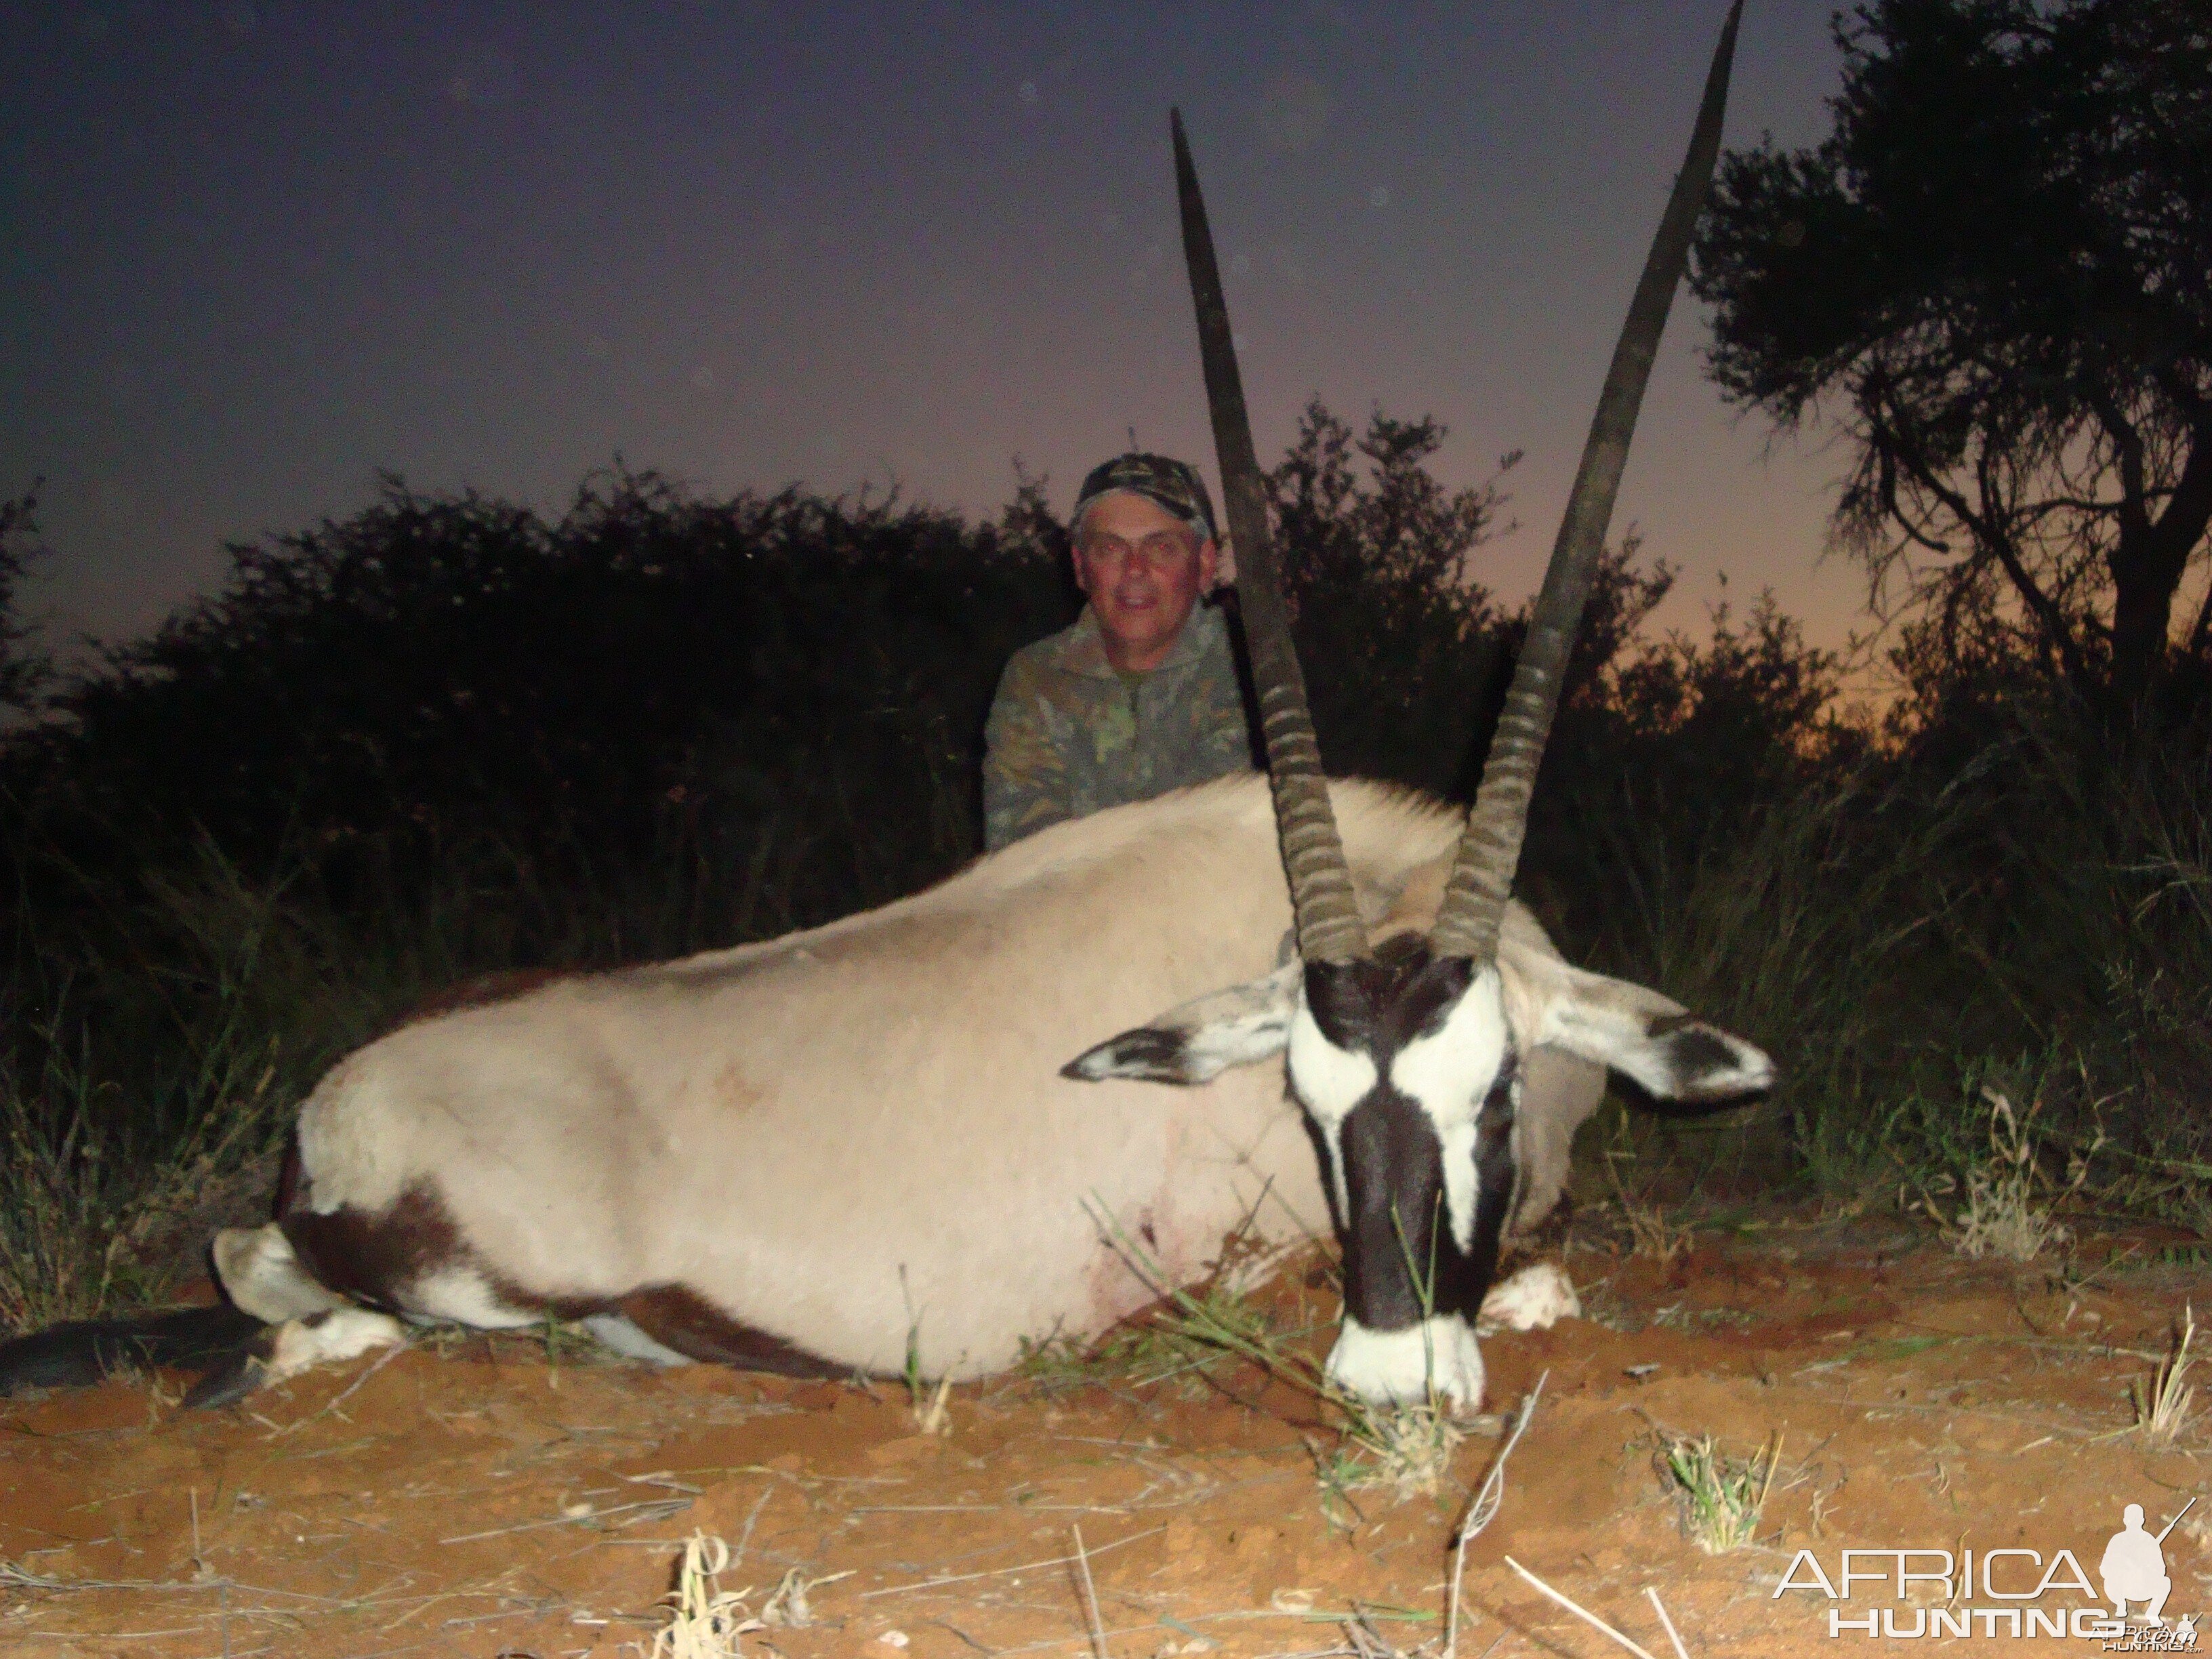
488, 1500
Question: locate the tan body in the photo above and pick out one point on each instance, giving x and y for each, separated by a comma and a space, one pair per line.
840, 1135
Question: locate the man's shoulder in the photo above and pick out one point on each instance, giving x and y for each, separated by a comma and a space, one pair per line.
1205, 639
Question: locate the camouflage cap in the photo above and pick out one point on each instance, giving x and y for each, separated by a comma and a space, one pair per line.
1173, 485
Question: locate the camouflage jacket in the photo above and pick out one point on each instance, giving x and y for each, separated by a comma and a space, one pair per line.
1068, 735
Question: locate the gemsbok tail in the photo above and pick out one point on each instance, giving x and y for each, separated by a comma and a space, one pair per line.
222, 1343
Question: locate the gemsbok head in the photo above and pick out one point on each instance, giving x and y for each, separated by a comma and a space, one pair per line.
1402, 1049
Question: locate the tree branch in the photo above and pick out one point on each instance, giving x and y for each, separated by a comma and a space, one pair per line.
2128, 445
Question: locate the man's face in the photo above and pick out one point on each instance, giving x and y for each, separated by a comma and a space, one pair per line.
1143, 569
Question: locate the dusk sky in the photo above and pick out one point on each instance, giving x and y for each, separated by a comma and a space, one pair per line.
250, 253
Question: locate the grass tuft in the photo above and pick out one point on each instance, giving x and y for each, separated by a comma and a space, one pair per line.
2002, 1214
705, 1621
1722, 1497
2163, 1404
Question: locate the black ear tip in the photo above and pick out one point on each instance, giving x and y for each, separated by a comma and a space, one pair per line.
1148, 1055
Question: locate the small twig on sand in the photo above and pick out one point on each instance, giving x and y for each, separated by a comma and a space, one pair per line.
1582, 1613
745, 1537
999, 1572
1090, 1597
1484, 1509
1666, 1624
350, 1389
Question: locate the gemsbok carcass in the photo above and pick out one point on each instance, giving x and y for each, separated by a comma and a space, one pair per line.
904, 1127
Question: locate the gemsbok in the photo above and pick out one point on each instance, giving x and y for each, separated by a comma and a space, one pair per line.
802, 1155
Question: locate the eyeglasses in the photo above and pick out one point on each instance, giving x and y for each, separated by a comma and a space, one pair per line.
1158, 550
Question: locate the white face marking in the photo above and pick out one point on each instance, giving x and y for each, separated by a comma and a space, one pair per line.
1448, 1075
1437, 1357
1329, 1081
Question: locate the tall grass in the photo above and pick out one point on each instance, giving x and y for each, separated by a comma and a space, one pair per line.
2036, 920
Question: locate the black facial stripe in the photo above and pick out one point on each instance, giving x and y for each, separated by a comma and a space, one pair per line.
1401, 1224
1494, 1176
1393, 1175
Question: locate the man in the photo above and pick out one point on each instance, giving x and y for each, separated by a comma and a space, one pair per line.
1139, 695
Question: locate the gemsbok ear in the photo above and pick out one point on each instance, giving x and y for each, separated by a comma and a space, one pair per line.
1196, 1042
1650, 1038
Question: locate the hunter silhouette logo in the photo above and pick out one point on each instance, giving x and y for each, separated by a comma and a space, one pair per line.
2005, 1593
2134, 1567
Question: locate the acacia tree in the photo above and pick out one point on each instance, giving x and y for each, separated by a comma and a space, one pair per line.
1995, 277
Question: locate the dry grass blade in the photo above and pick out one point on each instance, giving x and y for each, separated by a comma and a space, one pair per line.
1666, 1624
934, 1417
706, 1619
1409, 1449
1097, 1630
1480, 1513
788, 1605
1579, 1611
1650, 1232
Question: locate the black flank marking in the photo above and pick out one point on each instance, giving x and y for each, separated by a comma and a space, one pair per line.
79, 1355
679, 1317
372, 1258
376, 1259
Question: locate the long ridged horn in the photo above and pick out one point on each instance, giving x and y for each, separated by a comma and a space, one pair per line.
1473, 907
1327, 916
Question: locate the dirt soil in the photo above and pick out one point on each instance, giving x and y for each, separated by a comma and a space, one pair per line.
490, 1497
